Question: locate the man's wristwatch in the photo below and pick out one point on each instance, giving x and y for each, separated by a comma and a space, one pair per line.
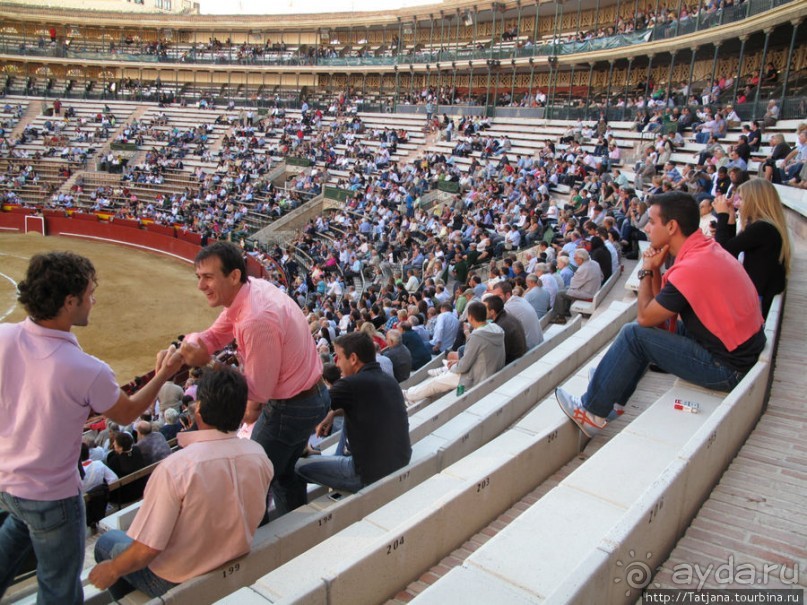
645, 273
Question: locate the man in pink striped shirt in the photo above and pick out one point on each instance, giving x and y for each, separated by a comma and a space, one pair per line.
278, 357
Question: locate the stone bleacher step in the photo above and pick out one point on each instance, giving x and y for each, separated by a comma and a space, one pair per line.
640, 490
462, 434
507, 466
472, 429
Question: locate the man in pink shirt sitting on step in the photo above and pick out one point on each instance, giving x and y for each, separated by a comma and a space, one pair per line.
202, 504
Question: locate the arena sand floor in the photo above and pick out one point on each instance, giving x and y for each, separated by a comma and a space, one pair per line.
144, 299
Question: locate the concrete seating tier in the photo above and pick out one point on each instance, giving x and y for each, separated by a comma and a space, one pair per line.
440, 436
396, 543
84, 110
632, 282
642, 488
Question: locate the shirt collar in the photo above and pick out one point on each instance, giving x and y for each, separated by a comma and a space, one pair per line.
29, 325
187, 438
238, 302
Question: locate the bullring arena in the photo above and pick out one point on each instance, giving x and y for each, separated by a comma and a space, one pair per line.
135, 132
152, 297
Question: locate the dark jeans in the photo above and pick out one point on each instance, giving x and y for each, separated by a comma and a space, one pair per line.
635, 348
55, 530
283, 430
563, 304
109, 546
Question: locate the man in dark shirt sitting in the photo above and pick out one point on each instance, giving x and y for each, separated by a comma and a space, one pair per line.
515, 340
125, 460
375, 420
399, 355
716, 341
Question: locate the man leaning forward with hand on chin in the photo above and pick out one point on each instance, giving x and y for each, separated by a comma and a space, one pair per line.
717, 339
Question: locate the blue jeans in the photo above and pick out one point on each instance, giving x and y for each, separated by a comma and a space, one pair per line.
109, 546
283, 430
793, 171
337, 472
635, 348
55, 530
702, 137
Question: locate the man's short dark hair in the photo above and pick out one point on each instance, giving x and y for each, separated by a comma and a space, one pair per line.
222, 395
678, 206
494, 303
359, 343
50, 279
331, 372
477, 310
230, 256
505, 286
124, 441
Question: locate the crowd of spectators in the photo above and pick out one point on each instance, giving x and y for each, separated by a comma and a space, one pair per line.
422, 280
111, 452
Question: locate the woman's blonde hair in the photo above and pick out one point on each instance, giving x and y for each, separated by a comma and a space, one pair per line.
368, 328
761, 202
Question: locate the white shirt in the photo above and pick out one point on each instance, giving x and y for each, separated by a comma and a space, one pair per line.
95, 473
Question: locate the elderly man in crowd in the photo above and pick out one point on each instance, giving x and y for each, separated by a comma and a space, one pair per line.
584, 285
521, 310
537, 295
550, 283
399, 355
172, 426
152, 444
418, 349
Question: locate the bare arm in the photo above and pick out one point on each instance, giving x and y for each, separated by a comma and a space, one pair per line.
649, 312
253, 411
324, 427
127, 409
134, 558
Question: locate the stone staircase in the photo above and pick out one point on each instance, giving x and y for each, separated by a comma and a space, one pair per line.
137, 114
33, 110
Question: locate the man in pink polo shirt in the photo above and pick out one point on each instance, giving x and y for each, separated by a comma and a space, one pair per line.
278, 357
202, 504
49, 388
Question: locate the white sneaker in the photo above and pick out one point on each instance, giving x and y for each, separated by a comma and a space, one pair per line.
406, 397
587, 422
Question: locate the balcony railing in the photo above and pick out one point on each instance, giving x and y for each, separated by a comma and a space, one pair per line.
497, 50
